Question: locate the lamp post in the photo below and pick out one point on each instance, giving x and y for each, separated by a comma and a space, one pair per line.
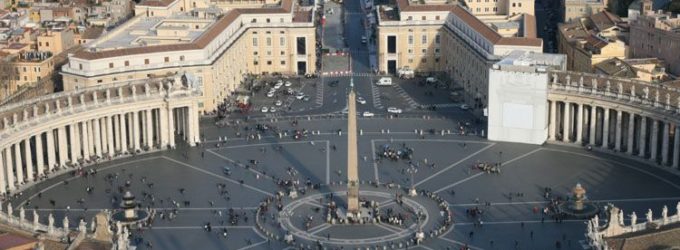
500, 158
412, 170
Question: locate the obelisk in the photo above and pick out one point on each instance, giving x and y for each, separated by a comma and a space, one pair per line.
352, 160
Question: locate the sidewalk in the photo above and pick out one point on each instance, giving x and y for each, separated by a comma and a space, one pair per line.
372, 46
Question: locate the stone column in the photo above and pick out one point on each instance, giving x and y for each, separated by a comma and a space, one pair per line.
631, 133
9, 168
90, 137
553, 120
593, 125
123, 133
2, 172
579, 124
75, 143
39, 160
135, 129
63, 148
567, 122
29, 159
676, 147
664, 143
171, 127
619, 124
654, 140
144, 131
18, 164
85, 139
605, 128
96, 125
642, 138
109, 136
149, 129
116, 121
49, 140
161, 122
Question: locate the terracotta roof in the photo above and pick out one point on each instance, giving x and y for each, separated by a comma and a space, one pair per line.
302, 16
201, 42
604, 20
472, 21
156, 3
666, 237
9, 240
595, 42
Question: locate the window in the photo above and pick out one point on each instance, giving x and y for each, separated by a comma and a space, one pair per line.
424, 51
301, 46
424, 60
423, 18
410, 39
146, 61
80, 66
254, 20
166, 59
47, 44
269, 52
409, 18
282, 41
391, 44
410, 51
424, 40
127, 63
100, 81
181, 58
436, 51
283, 53
436, 18
269, 20
255, 63
269, 41
514, 4
283, 62
437, 39
410, 60
519, 4
255, 53
110, 65
269, 62
254, 41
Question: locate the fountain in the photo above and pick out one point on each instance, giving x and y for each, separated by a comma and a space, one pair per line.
578, 206
129, 215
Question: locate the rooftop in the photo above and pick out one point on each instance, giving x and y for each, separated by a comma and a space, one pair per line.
616, 67
521, 58
146, 31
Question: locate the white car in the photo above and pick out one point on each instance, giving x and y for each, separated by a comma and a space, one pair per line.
464, 107
368, 114
300, 95
278, 85
394, 110
361, 100
270, 94
264, 109
278, 103
288, 83
272, 110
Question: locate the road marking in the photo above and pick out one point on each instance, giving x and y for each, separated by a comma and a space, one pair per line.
253, 245
375, 163
387, 228
618, 163
218, 176
543, 202
455, 164
328, 163
198, 227
386, 204
320, 229
481, 173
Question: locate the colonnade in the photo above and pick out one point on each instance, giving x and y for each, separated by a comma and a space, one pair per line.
621, 129
93, 139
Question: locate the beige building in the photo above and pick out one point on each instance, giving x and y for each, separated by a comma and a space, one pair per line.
55, 41
589, 41
650, 70
500, 7
215, 52
657, 35
24, 68
448, 38
575, 9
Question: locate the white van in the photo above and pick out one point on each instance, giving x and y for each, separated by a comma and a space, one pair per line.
406, 73
384, 81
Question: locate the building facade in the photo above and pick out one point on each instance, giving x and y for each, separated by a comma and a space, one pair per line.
219, 52
657, 35
575, 9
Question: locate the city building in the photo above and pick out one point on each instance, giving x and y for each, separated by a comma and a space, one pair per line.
55, 40
500, 7
576, 9
517, 92
657, 35
589, 41
219, 50
645, 7
644, 69
414, 35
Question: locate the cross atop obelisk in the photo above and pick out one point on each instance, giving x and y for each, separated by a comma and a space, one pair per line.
352, 160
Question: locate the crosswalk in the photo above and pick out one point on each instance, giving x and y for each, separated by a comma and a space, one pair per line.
319, 95
375, 93
411, 103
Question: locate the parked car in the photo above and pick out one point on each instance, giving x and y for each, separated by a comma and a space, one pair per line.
361, 100
300, 96
272, 110
264, 109
270, 94
384, 81
464, 107
288, 83
406, 73
394, 110
368, 114
278, 103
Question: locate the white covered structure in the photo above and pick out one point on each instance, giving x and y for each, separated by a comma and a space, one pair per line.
518, 90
